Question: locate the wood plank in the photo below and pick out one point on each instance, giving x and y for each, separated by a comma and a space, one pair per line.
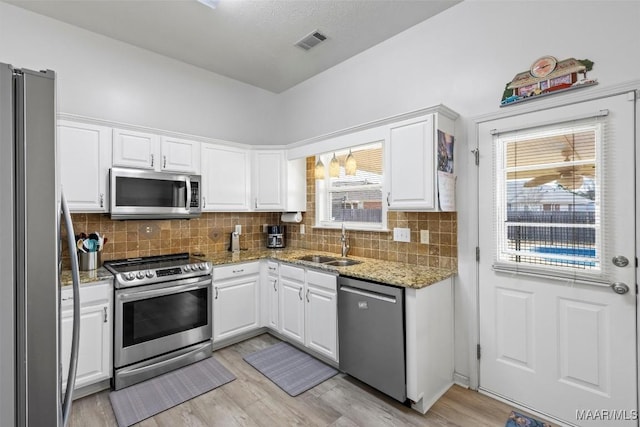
252, 400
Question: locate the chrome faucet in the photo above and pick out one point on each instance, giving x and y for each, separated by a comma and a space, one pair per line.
343, 240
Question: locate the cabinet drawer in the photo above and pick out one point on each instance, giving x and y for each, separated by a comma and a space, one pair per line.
291, 272
322, 280
235, 270
272, 268
89, 294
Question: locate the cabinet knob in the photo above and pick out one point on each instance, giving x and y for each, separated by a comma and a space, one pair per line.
388, 196
105, 314
308, 295
164, 162
216, 295
152, 160
238, 271
102, 200
204, 202
256, 203
300, 294
275, 287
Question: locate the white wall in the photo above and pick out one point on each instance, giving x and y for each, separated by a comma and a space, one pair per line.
103, 78
463, 58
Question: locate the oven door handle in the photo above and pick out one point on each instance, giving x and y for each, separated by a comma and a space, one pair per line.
137, 295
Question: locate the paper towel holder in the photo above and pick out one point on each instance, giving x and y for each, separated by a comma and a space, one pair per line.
291, 217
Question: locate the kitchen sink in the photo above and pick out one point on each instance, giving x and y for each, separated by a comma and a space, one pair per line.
343, 262
317, 258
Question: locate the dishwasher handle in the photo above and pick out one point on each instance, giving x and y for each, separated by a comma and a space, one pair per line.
374, 295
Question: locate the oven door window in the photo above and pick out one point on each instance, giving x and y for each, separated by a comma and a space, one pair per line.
152, 318
142, 192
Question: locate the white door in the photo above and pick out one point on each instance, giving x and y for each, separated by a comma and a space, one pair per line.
135, 149
273, 302
292, 309
180, 155
225, 178
235, 307
554, 335
84, 159
268, 180
321, 319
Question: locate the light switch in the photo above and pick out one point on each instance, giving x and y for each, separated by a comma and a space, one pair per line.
301, 228
424, 237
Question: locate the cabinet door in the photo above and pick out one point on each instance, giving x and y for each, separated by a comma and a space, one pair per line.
94, 355
410, 156
135, 149
225, 178
269, 180
292, 309
84, 159
273, 298
235, 306
321, 317
180, 155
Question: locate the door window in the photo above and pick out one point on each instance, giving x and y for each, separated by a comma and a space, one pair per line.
548, 198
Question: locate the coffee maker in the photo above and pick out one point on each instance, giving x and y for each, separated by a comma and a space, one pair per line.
275, 236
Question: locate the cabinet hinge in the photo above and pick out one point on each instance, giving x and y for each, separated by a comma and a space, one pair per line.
477, 253
478, 351
476, 153
104, 311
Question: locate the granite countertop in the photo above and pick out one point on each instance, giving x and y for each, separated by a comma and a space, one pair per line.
91, 276
389, 272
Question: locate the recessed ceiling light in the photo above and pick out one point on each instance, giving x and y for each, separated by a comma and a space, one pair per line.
210, 3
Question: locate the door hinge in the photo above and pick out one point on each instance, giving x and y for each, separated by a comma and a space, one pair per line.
104, 310
477, 253
476, 154
478, 351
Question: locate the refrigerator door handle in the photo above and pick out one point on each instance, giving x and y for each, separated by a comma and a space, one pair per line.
75, 275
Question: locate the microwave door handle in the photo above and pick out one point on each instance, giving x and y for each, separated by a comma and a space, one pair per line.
188, 206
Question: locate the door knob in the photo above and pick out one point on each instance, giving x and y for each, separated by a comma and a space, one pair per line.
620, 288
620, 261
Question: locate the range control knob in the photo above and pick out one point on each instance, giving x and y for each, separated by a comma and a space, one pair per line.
129, 276
149, 274
140, 275
187, 268
202, 266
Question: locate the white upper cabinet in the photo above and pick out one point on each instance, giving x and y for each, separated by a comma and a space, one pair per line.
225, 178
269, 180
180, 155
135, 149
150, 151
411, 157
84, 159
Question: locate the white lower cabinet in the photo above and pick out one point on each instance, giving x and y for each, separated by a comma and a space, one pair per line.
235, 299
95, 348
321, 327
308, 309
292, 302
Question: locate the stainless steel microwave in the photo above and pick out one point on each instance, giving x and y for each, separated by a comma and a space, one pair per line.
143, 194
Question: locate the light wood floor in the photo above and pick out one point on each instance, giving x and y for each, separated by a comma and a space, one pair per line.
252, 400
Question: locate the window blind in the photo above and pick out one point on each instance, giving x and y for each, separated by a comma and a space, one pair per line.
550, 199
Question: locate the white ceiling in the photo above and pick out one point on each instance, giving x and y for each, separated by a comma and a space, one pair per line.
248, 40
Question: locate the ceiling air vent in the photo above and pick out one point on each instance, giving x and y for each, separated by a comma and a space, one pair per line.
311, 40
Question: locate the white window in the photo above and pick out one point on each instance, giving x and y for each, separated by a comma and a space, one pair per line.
355, 200
548, 198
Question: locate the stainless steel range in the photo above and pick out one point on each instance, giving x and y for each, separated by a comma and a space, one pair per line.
162, 316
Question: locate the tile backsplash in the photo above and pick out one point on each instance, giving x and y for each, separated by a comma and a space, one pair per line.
210, 234
441, 251
206, 234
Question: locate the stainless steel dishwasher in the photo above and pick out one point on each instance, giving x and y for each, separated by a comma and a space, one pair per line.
371, 335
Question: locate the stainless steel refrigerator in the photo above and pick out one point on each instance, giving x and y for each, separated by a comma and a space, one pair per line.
30, 207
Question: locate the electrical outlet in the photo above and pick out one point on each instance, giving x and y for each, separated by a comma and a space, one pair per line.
264, 227
424, 237
402, 234
238, 228
301, 228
